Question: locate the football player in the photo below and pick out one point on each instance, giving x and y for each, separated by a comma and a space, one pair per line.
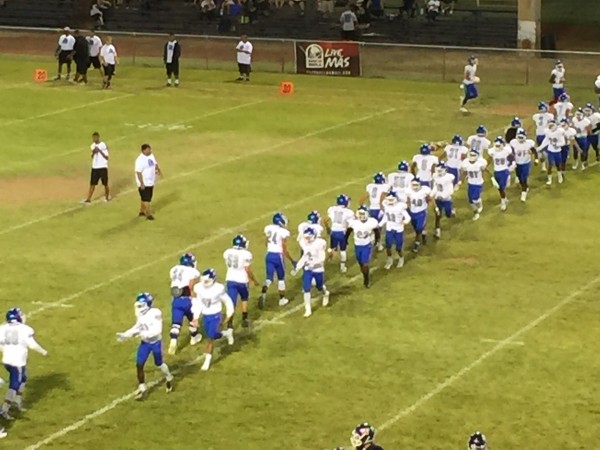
503, 159
523, 148
557, 79
455, 153
443, 188
363, 228
313, 263
563, 107
183, 277
363, 438
469, 84
473, 169
583, 130
276, 237
338, 218
423, 164
209, 299
511, 131
148, 327
400, 181
570, 141
238, 260
594, 118
553, 142
479, 142
477, 441
16, 339
418, 202
395, 217
375, 192
541, 120
313, 220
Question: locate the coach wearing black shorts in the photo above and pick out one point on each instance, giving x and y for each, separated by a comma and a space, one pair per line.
81, 57
99, 168
64, 52
146, 169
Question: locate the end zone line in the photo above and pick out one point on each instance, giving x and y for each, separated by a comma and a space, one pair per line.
204, 168
495, 349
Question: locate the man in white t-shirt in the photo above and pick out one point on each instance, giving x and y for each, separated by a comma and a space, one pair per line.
146, 169
244, 58
95, 44
109, 60
99, 168
64, 52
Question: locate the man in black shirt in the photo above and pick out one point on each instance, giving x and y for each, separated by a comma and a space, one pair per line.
171, 55
81, 57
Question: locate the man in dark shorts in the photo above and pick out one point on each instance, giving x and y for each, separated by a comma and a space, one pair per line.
81, 57
171, 55
146, 169
64, 52
109, 60
244, 58
95, 44
99, 168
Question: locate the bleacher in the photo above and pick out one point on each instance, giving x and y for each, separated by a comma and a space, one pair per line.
37, 13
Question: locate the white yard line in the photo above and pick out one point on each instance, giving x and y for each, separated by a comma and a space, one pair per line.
64, 110
204, 168
496, 341
501, 345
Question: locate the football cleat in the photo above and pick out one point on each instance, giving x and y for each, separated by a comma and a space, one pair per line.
195, 340
477, 441
169, 386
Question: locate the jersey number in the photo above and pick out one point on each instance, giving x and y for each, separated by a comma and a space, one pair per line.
11, 337
272, 237
362, 234
233, 261
417, 202
338, 217
177, 275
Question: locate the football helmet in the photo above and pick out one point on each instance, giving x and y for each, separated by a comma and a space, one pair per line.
564, 123
457, 139
477, 441
473, 156
362, 435
362, 213
521, 135
309, 234
313, 217
564, 97
343, 200
579, 113
589, 109
188, 260
280, 219
208, 277
481, 131
391, 197
415, 184
240, 241
143, 303
552, 125
403, 166
543, 107
425, 149
516, 122
472, 59
499, 142
15, 315
441, 168
379, 178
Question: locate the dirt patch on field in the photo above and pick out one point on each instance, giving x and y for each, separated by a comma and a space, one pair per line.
511, 109
17, 192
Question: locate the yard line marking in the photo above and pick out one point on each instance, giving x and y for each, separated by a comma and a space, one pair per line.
495, 341
268, 322
499, 346
204, 168
116, 402
45, 303
63, 110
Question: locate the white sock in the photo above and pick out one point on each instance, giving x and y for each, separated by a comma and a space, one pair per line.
166, 372
307, 305
343, 257
142, 387
390, 260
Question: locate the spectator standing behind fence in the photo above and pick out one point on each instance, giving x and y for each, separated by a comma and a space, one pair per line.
81, 57
349, 23
109, 60
64, 52
97, 14
95, 44
171, 55
244, 58
432, 9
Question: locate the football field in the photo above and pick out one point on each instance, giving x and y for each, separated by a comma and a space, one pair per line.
493, 328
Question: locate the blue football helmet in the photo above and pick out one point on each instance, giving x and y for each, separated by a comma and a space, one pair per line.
499, 141
313, 217
188, 259
441, 168
343, 200
564, 97
362, 213
208, 277
404, 166
362, 435
310, 234
472, 59
516, 122
481, 131
477, 441
379, 178
521, 135
280, 219
14, 315
143, 303
564, 123
240, 241
457, 140
425, 149
543, 107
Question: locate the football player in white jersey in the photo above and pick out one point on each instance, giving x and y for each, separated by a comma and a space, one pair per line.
395, 217
541, 120
503, 160
570, 141
523, 148
276, 240
469, 84
313, 220
557, 79
563, 107
455, 153
209, 299
16, 339
183, 277
313, 264
477, 441
419, 197
443, 189
375, 192
363, 228
473, 169
594, 118
400, 181
148, 327
583, 129
553, 144
423, 164
338, 218
238, 260
479, 142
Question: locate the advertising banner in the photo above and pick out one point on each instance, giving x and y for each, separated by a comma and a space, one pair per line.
328, 58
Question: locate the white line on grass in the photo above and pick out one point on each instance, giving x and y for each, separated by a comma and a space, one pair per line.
495, 349
116, 402
209, 167
44, 304
64, 110
495, 341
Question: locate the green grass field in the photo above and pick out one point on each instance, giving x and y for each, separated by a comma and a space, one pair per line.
494, 327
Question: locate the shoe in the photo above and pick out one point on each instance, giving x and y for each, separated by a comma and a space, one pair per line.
424, 239
400, 263
228, 333
239, 79
141, 214
388, 264
283, 301
325, 301
86, 202
107, 200
205, 365
247, 79
463, 109
307, 313
416, 247
176, 83
575, 166
68, 77
549, 182
379, 247
438, 233
343, 268
583, 166
140, 394
150, 217
245, 323
56, 78
261, 301
524, 195
3, 433
476, 216
195, 340
172, 347
169, 386
560, 178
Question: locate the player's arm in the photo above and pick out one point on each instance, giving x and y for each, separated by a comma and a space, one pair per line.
228, 303
251, 276
544, 144
286, 252
301, 263
193, 282
131, 332
104, 155
33, 345
535, 154
328, 223
406, 217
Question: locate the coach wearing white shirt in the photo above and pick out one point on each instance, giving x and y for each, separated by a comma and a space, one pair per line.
64, 52
244, 58
95, 44
146, 169
109, 60
99, 168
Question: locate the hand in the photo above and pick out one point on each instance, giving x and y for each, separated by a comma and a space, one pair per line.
293, 272
194, 323
536, 162
45, 353
142, 187
255, 283
437, 211
294, 263
120, 337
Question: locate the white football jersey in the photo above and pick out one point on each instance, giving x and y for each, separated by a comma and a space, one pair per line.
470, 73
594, 119
563, 110
395, 217
570, 134
554, 140
541, 121
400, 181
375, 192
237, 261
276, 235
581, 126
209, 300
313, 258
425, 165
418, 200
339, 216
455, 155
479, 144
443, 186
148, 326
559, 76
363, 231
182, 276
16, 339
500, 157
522, 150
474, 171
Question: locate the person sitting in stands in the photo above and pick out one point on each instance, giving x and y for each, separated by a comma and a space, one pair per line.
432, 9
